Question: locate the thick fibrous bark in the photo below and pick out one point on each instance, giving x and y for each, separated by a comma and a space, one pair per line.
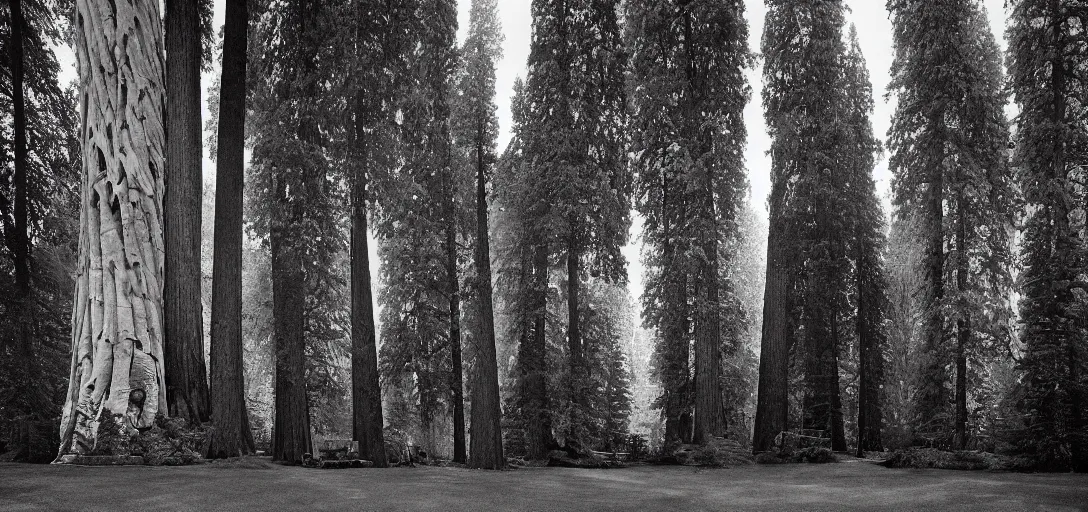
709, 415
117, 312
232, 436
366, 394
291, 432
486, 449
186, 377
772, 407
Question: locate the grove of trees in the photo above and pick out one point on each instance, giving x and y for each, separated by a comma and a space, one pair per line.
357, 134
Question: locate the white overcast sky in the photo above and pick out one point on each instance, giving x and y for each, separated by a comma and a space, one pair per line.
874, 31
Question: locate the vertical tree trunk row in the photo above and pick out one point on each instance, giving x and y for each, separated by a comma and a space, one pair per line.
117, 333
232, 436
186, 376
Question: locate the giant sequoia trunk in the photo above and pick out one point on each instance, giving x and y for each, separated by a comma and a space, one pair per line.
676, 374
232, 435
366, 397
117, 334
709, 415
772, 406
486, 450
186, 378
291, 430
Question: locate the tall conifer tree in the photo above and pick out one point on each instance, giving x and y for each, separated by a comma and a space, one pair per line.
688, 92
1049, 71
949, 144
475, 129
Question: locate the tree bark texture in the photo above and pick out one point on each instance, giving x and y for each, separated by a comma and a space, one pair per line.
772, 405
232, 436
709, 414
117, 333
486, 451
291, 430
18, 239
366, 396
186, 376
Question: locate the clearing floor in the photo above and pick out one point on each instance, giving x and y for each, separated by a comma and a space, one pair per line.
254, 484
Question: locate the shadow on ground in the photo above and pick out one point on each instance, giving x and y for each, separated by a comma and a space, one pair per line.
260, 486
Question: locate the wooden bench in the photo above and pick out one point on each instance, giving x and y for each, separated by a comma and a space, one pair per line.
338, 449
612, 456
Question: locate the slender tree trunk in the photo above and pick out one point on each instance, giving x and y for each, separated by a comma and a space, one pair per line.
18, 239
963, 328
838, 427
709, 415
574, 285
863, 377
457, 393
772, 406
186, 377
232, 435
575, 354
117, 350
366, 396
870, 358
487, 452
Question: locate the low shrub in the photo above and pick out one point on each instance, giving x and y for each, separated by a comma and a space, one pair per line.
932, 458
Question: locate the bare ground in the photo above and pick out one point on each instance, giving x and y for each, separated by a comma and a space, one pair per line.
254, 484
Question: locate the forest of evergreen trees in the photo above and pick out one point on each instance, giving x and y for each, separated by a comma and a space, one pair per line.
500, 323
